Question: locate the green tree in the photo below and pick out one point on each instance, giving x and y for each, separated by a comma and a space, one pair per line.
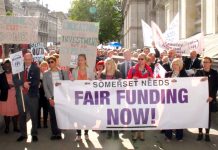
107, 12
80, 10
9, 13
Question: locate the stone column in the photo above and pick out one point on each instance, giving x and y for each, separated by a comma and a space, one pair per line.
209, 16
187, 12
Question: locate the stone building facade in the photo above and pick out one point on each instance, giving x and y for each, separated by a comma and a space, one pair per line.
133, 12
52, 28
195, 16
38, 10
60, 18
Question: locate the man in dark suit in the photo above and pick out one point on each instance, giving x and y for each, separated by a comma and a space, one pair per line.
27, 84
193, 62
126, 64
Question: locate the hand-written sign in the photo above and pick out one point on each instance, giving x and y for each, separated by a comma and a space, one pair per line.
18, 30
79, 38
38, 52
17, 62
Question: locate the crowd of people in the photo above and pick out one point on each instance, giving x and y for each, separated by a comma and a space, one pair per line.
33, 89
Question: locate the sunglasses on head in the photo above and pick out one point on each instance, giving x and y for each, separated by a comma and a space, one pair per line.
50, 62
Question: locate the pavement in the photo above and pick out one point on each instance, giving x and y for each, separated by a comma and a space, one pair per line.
154, 140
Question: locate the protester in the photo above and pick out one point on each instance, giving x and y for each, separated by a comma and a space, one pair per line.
29, 81
57, 59
177, 71
82, 73
43, 103
140, 70
152, 60
126, 64
99, 69
193, 62
171, 55
212, 76
49, 79
8, 108
111, 72
110, 53
165, 63
146, 50
157, 53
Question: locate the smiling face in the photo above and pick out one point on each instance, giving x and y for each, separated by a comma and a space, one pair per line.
43, 67
100, 67
7, 67
207, 63
127, 55
142, 59
177, 65
81, 60
28, 59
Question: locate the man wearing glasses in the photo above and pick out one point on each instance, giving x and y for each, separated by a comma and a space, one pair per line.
49, 79
29, 81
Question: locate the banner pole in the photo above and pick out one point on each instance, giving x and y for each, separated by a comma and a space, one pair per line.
24, 110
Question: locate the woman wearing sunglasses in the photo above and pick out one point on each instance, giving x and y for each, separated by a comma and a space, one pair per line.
49, 79
140, 70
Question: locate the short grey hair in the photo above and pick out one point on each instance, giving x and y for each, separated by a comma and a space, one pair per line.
177, 61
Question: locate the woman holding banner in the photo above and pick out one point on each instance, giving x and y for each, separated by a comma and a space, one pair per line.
140, 70
110, 72
177, 71
81, 73
212, 76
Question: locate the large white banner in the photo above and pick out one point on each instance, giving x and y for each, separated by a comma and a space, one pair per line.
78, 37
184, 46
142, 104
195, 42
18, 30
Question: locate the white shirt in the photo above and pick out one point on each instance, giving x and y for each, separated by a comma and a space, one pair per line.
55, 76
127, 66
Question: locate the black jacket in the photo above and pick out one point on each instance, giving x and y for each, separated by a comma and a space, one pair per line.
181, 74
195, 65
117, 75
33, 78
212, 80
3, 87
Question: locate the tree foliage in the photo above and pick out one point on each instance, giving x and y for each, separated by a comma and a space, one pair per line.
9, 13
107, 12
